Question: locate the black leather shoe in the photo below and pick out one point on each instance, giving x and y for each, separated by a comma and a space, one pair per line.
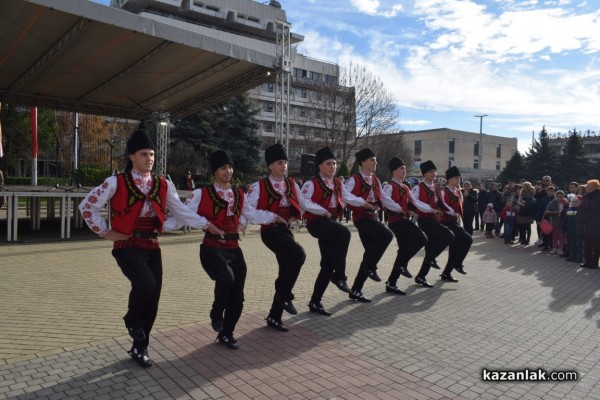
588, 266
137, 334
373, 275
140, 356
435, 265
228, 341
217, 325
422, 281
342, 285
357, 295
404, 271
277, 324
460, 270
394, 289
448, 278
319, 309
288, 306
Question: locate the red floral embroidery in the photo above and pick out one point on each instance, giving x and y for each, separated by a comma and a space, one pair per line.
87, 214
137, 181
95, 228
104, 185
92, 199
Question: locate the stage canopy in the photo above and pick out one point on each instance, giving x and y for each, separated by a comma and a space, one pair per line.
85, 57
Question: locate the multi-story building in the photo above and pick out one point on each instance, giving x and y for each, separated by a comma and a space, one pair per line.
449, 147
310, 111
591, 144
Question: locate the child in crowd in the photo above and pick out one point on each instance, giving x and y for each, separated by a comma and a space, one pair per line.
570, 227
508, 216
554, 212
489, 218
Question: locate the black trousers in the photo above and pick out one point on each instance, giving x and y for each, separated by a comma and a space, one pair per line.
290, 258
410, 240
334, 239
375, 238
459, 247
468, 221
438, 238
143, 268
227, 268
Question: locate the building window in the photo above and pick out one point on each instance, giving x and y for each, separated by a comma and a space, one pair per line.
330, 79
476, 148
499, 151
303, 93
300, 73
318, 114
318, 95
268, 126
315, 76
497, 165
475, 164
267, 106
417, 147
302, 111
269, 87
451, 146
450, 162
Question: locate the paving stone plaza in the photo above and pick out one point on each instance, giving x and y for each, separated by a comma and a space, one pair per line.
62, 334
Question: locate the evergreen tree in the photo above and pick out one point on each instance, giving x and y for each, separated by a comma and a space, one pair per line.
541, 159
514, 168
575, 164
229, 125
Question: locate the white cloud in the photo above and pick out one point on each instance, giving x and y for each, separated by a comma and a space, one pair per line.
372, 7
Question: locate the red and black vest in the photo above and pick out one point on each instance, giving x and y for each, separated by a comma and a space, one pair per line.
454, 202
427, 196
269, 200
362, 189
401, 195
322, 196
128, 201
214, 209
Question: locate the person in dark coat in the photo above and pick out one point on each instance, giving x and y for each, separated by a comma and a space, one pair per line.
481, 203
495, 197
590, 208
470, 206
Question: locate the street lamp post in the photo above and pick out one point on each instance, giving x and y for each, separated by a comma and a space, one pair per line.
480, 116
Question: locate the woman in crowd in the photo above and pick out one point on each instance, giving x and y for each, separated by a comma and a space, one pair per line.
554, 212
526, 209
470, 206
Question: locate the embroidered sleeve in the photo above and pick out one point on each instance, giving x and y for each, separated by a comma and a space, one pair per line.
93, 204
259, 217
349, 197
306, 202
387, 201
421, 206
184, 214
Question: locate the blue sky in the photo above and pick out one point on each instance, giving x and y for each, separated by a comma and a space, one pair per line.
525, 63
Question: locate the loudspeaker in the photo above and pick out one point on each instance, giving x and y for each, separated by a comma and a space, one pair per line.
307, 165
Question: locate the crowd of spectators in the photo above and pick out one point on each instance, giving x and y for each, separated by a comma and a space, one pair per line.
571, 216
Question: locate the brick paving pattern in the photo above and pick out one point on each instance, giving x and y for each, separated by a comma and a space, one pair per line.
62, 335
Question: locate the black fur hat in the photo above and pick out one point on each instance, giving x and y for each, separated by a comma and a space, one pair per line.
274, 153
452, 172
219, 158
323, 155
364, 154
427, 166
139, 140
395, 163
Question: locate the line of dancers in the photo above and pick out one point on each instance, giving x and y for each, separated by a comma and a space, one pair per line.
139, 201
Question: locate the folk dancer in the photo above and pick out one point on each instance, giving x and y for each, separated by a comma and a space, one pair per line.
452, 197
429, 208
139, 201
410, 238
374, 236
225, 213
275, 199
322, 198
